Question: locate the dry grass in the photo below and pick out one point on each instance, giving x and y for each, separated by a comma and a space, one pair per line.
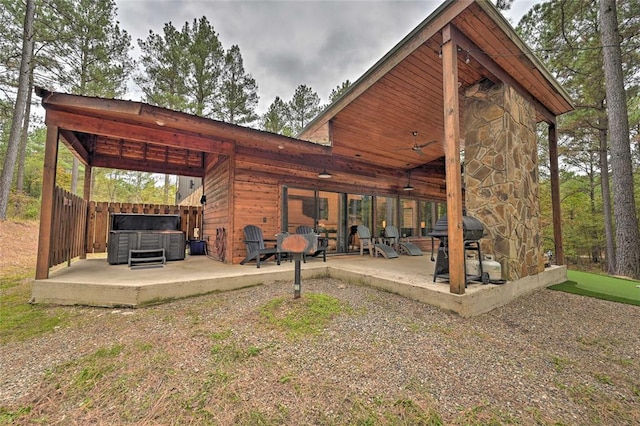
18, 247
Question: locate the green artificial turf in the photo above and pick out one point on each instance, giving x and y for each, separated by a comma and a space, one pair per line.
601, 287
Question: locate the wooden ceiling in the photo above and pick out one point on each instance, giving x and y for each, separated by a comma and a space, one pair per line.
402, 94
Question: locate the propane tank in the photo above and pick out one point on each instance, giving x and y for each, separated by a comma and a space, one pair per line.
492, 267
489, 266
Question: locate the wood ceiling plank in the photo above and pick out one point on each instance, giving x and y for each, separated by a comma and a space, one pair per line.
502, 52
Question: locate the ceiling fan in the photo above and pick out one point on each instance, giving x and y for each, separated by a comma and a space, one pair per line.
418, 147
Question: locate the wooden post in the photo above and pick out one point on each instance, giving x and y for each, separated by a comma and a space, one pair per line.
555, 194
457, 275
86, 194
46, 206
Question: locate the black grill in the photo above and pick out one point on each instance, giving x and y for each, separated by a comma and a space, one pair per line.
472, 231
472, 228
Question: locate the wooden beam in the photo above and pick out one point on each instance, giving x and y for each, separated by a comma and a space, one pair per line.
87, 103
121, 130
46, 205
75, 146
457, 275
555, 194
145, 166
497, 72
333, 163
86, 195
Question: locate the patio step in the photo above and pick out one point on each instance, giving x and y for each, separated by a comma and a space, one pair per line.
147, 258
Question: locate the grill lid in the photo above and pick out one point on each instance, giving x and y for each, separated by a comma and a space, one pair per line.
472, 228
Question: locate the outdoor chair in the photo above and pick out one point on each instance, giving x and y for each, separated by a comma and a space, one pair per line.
323, 243
393, 237
256, 249
367, 243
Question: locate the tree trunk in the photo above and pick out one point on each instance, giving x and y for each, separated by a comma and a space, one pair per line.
18, 113
627, 233
22, 152
606, 200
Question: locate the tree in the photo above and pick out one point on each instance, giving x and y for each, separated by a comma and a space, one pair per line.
181, 69
339, 91
275, 120
92, 52
567, 35
206, 57
165, 70
303, 108
6, 177
239, 92
627, 233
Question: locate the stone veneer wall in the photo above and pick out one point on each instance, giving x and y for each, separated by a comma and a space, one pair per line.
501, 176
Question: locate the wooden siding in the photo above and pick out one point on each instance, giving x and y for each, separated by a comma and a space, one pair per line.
217, 216
260, 177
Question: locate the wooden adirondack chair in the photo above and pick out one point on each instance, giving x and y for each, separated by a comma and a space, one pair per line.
391, 233
322, 243
367, 243
256, 249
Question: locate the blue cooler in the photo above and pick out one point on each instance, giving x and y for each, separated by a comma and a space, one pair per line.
197, 247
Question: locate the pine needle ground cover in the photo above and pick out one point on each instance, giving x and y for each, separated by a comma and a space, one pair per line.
602, 287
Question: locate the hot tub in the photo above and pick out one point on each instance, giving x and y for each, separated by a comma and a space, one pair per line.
130, 231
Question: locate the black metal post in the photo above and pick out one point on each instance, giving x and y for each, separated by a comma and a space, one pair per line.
297, 287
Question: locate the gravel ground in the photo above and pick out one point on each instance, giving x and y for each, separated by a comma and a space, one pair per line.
546, 358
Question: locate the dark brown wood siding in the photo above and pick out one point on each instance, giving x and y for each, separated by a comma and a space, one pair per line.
217, 216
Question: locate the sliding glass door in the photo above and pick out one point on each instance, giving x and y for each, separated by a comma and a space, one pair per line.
336, 216
333, 215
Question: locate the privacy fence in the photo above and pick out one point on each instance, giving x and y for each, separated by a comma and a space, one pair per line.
81, 227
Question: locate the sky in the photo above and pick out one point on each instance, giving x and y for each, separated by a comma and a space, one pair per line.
288, 43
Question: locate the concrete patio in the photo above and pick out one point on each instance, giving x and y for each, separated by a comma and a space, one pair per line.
94, 282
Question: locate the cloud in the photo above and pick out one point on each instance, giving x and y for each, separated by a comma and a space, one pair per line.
287, 43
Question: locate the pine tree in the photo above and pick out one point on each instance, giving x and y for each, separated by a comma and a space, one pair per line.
275, 120
6, 177
165, 75
92, 51
624, 207
339, 91
567, 36
206, 60
239, 91
303, 108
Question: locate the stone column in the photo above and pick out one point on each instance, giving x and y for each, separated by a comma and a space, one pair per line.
501, 176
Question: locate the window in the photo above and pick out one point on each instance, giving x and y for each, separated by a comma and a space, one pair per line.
385, 213
408, 217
